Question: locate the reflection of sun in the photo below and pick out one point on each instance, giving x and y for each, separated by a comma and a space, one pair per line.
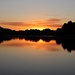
41, 41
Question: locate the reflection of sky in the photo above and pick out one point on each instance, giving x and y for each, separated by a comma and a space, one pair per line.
29, 11
40, 45
29, 59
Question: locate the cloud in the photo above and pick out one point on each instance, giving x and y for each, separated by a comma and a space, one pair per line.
49, 21
12, 23
55, 25
54, 20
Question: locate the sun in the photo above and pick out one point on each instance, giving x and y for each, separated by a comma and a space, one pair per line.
39, 28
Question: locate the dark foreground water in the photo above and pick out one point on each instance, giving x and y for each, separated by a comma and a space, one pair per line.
21, 57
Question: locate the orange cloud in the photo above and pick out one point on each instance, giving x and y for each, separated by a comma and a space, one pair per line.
50, 23
54, 20
12, 23
55, 25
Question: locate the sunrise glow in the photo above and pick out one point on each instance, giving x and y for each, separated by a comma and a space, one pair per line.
26, 14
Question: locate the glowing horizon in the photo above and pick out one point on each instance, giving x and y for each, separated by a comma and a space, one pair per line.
35, 14
41, 24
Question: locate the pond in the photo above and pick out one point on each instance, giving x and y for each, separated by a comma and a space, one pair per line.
25, 57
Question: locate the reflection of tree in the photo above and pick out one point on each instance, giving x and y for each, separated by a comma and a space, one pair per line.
68, 43
5, 38
30, 38
47, 39
34, 39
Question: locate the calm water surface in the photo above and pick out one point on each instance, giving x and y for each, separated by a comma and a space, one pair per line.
21, 57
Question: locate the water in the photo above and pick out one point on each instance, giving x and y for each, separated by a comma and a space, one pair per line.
25, 57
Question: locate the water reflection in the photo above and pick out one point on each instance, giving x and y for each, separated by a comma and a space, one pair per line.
26, 56
42, 42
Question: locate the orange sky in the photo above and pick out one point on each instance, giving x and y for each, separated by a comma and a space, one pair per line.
36, 14
41, 24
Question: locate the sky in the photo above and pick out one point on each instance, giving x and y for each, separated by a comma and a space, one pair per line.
36, 14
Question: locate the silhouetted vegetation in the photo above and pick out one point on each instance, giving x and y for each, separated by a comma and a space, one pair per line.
64, 35
67, 30
31, 32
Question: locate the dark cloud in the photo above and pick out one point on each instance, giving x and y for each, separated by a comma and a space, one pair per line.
55, 25
13, 23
